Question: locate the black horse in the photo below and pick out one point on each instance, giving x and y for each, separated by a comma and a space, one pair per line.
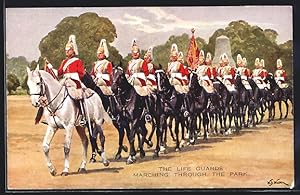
171, 104
132, 108
260, 100
196, 101
226, 100
279, 95
109, 104
243, 101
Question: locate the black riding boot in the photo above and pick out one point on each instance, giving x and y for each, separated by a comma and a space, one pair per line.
112, 109
148, 117
82, 114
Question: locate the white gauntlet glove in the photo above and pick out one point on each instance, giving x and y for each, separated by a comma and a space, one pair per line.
49, 66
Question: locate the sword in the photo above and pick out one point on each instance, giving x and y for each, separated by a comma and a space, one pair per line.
52, 73
87, 115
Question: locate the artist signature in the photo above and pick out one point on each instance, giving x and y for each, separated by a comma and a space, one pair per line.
278, 181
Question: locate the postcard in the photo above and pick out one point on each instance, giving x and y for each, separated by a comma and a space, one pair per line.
231, 128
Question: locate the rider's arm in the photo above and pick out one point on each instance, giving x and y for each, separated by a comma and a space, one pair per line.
60, 69
80, 69
145, 68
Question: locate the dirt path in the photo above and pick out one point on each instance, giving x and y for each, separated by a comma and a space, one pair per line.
249, 159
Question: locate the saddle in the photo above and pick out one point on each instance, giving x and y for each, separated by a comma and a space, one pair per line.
206, 84
229, 85
178, 84
246, 83
77, 93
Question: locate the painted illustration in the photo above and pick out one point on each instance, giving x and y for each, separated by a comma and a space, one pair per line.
187, 97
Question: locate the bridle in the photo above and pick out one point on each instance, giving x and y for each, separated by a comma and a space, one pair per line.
43, 98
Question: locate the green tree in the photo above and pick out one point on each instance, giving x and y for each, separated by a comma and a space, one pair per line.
252, 42
89, 29
12, 82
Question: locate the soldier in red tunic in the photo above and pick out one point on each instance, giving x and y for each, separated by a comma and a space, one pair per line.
72, 68
136, 70
212, 70
280, 74
102, 69
150, 70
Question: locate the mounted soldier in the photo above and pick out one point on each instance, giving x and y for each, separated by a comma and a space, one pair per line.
185, 79
102, 69
280, 75
204, 72
72, 70
258, 74
136, 70
213, 70
227, 73
176, 70
243, 71
150, 71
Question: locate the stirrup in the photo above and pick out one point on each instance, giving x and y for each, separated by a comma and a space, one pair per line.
148, 117
82, 121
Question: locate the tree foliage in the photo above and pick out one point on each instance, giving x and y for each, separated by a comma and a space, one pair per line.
16, 66
89, 29
12, 82
252, 42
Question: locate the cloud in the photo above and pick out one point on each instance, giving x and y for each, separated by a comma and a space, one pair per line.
161, 21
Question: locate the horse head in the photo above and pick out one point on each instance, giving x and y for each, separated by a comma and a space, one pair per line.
193, 83
238, 81
162, 80
39, 83
118, 79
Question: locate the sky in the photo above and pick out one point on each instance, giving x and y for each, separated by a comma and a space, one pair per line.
151, 26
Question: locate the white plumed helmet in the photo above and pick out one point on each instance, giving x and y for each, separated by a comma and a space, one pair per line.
72, 44
103, 48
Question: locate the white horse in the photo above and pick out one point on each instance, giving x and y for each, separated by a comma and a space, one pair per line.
61, 112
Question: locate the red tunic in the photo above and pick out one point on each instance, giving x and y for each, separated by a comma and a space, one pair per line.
72, 65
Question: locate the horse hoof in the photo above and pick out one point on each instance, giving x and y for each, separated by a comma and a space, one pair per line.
64, 174
53, 172
125, 148
150, 144
81, 170
129, 161
106, 163
177, 149
118, 156
142, 154
92, 160
155, 155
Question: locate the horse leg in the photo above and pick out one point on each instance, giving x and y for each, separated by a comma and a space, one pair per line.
67, 148
102, 142
162, 147
84, 142
205, 125
158, 137
183, 126
121, 137
280, 110
142, 140
170, 128
153, 128
287, 108
94, 145
177, 133
131, 159
50, 132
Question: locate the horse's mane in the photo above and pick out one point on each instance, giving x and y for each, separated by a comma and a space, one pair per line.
47, 76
